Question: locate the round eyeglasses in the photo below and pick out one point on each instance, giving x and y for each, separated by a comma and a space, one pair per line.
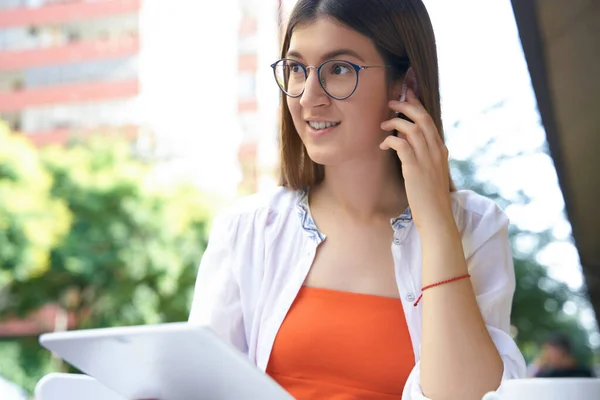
338, 78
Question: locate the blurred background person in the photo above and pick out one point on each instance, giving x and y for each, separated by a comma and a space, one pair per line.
557, 360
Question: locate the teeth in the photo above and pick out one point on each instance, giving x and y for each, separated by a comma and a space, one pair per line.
322, 125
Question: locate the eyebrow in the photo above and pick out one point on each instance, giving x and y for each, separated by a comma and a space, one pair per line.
331, 55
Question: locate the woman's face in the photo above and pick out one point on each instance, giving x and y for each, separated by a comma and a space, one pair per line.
356, 132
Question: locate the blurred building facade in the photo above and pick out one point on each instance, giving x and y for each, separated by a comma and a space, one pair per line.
258, 48
68, 66
191, 80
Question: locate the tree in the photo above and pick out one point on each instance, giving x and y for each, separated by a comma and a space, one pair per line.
132, 252
32, 224
32, 221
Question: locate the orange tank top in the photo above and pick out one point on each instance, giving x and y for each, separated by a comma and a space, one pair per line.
338, 345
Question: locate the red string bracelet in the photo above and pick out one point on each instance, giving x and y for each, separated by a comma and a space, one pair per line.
438, 284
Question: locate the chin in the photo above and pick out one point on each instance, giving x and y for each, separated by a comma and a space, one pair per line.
324, 156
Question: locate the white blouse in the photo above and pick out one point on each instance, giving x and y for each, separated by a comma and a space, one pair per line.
260, 252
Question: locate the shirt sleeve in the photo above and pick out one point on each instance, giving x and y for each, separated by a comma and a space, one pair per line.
216, 302
489, 259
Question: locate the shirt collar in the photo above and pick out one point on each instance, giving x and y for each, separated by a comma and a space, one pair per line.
306, 219
401, 222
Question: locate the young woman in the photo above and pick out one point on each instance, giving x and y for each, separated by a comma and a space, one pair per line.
366, 275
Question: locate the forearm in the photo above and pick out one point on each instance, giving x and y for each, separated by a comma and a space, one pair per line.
458, 356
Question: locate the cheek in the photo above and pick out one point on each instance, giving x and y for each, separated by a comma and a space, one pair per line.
372, 105
368, 114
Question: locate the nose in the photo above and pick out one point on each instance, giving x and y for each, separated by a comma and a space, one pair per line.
314, 95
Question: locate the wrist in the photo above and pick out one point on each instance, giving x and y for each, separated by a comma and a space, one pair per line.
442, 252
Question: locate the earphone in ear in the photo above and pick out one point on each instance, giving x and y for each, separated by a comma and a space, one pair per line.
409, 79
404, 90
403, 99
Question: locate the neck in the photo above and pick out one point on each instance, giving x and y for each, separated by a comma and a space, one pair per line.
364, 189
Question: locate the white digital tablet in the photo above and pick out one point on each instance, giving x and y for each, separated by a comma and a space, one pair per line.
176, 361
62, 386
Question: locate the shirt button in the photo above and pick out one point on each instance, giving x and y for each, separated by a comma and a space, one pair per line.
397, 241
410, 297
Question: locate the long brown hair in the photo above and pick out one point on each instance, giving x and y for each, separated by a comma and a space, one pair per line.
400, 29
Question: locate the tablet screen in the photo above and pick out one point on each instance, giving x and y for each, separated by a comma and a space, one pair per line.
177, 361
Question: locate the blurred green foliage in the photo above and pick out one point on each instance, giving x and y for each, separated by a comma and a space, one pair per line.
87, 227
32, 220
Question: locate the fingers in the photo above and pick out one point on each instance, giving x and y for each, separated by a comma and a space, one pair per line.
402, 148
423, 134
411, 132
414, 110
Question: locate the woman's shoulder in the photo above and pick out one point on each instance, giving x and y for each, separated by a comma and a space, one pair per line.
264, 205
478, 218
468, 201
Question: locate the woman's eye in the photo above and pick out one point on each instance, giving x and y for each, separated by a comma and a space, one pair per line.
295, 67
339, 69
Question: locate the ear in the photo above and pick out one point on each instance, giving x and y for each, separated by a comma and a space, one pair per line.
409, 82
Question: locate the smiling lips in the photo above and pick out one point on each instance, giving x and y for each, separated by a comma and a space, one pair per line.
320, 125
